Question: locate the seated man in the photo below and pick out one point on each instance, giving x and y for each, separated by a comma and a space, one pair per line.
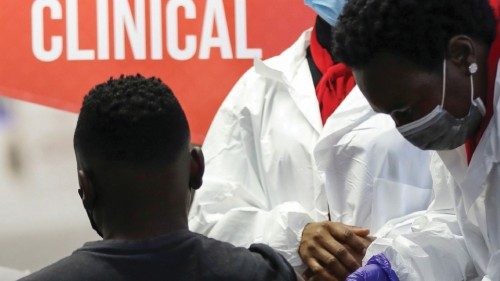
137, 173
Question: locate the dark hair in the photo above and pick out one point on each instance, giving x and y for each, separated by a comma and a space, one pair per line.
418, 30
132, 119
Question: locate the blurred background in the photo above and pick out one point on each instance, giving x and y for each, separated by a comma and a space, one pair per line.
41, 216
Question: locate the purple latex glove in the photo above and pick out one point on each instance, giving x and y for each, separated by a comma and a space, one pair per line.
378, 268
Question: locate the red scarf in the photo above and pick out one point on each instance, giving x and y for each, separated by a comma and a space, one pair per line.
494, 56
336, 80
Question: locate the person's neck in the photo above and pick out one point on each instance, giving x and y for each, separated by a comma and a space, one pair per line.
324, 33
143, 223
481, 79
324, 36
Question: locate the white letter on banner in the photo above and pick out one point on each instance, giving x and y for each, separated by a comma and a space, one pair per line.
136, 30
215, 15
102, 30
173, 30
156, 30
37, 30
240, 15
72, 41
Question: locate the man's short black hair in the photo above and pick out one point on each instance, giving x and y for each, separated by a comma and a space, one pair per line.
418, 30
132, 119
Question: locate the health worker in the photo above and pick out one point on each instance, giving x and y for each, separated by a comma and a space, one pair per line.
433, 67
262, 182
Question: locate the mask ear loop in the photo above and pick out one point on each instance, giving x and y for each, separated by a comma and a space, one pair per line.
471, 90
444, 83
472, 70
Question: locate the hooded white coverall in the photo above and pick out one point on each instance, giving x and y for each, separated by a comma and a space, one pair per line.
262, 184
458, 238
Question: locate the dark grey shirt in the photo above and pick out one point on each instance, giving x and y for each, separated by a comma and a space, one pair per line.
180, 256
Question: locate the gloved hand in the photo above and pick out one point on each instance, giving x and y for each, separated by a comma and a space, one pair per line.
370, 272
378, 268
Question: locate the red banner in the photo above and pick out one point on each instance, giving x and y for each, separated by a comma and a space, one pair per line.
54, 51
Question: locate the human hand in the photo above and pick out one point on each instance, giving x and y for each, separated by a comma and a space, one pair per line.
378, 268
332, 250
370, 272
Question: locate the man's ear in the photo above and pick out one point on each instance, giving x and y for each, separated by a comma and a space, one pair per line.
461, 52
86, 191
197, 168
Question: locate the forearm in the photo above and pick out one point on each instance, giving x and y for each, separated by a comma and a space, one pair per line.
432, 249
245, 224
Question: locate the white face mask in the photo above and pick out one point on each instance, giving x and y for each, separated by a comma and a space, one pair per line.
439, 130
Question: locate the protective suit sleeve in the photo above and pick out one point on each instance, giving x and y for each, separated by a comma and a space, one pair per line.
233, 204
427, 245
493, 272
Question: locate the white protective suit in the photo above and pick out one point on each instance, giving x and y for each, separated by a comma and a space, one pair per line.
262, 184
458, 238
372, 173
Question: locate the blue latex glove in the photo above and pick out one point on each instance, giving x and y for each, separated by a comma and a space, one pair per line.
378, 268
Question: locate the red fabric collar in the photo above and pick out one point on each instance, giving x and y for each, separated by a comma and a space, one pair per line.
321, 57
335, 84
494, 57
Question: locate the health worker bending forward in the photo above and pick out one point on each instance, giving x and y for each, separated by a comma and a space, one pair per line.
433, 66
262, 182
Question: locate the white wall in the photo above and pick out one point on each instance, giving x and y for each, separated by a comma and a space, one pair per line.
41, 216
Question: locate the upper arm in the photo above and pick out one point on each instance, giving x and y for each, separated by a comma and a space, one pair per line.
273, 265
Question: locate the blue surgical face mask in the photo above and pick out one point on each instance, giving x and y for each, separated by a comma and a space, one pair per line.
439, 130
329, 10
